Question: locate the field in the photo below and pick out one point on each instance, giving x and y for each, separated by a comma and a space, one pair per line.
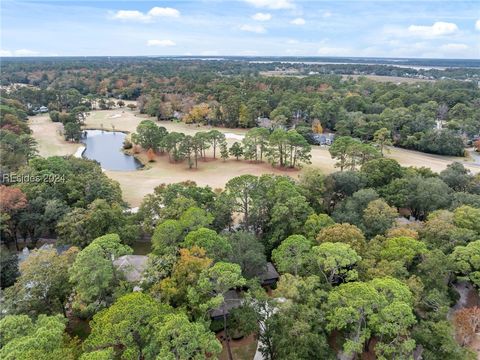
49, 140
215, 173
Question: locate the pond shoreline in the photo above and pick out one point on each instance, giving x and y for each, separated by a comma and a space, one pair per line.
99, 145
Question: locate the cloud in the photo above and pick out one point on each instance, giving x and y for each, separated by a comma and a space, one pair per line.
259, 29
292, 41
477, 25
19, 52
326, 14
272, 4
439, 28
132, 15
262, 16
25, 52
160, 43
333, 51
155, 12
454, 48
5, 52
298, 21
164, 12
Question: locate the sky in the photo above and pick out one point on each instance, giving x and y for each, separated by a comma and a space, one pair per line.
388, 28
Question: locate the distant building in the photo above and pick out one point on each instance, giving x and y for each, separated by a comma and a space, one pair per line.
233, 299
40, 110
322, 139
270, 276
264, 122
133, 266
25, 254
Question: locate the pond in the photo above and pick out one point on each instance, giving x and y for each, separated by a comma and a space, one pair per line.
106, 148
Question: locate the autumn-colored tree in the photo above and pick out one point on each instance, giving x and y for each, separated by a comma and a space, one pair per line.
467, 324
12, 200
185, 274
477, 145
317, 127
150, 155
198, 114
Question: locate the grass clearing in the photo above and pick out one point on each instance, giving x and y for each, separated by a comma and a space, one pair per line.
49, 140
215, 173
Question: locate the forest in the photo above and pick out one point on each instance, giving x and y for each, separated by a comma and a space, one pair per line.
369, 260
235, 94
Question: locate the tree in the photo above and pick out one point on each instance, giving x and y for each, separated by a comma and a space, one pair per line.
378, 217
421, 195
292, 255
45, 338
467, 217
311, 182
248, 252
255, 143
236, 150
242, 189
380, 172
343, 233
466, 262
224, 151
317, 127
381, 307
149, 135
167, 237
12, 200
339, 150
180, 339
349, 307
8, 267
315, 223
456, 176
336, 262
216, 138
288, 148
286, 207
402, 249
127, 328
94, 276
172, 142
351, 209
440, 232
438, 341
80, 226
382, 138
72, 131
217, 280
467, 324
178, 287
198, 114
43, 286
216, 246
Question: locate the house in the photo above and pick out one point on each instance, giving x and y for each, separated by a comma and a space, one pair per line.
270, 276
25, 254
264, 122
322, 139
132, 266
233, 300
